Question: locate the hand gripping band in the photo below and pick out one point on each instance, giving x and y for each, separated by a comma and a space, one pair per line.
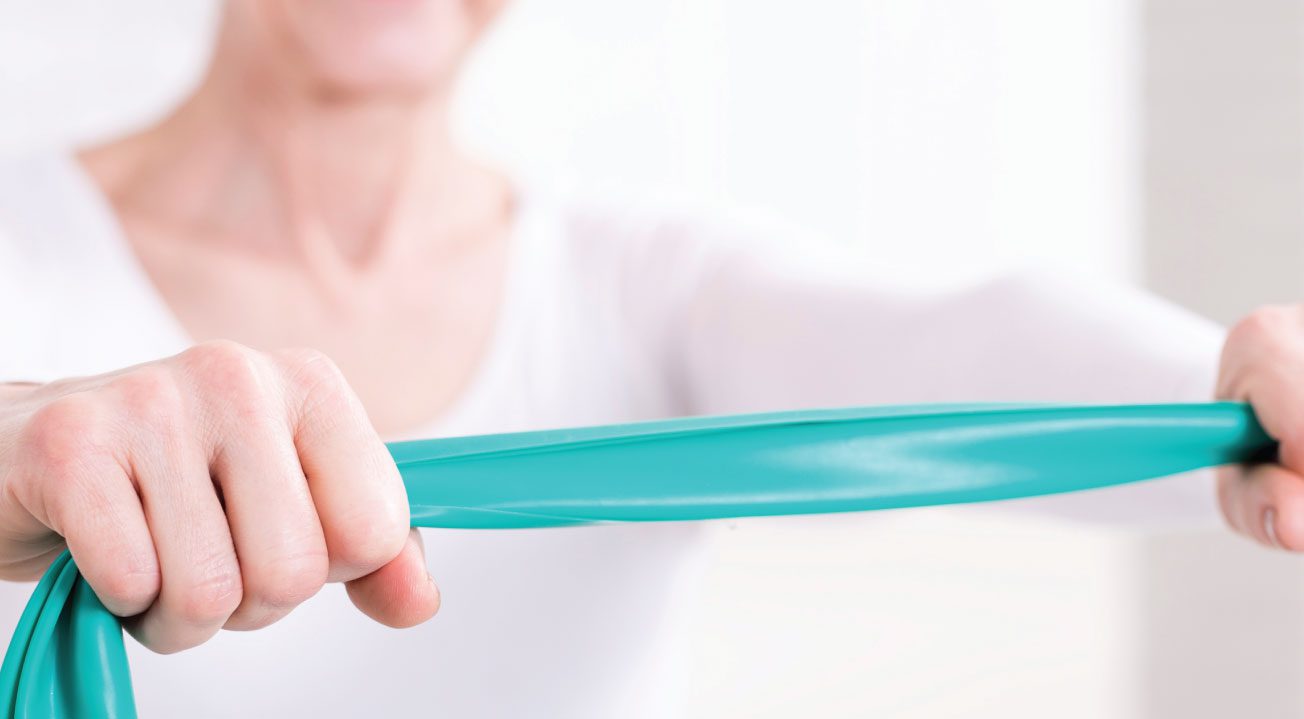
67, 657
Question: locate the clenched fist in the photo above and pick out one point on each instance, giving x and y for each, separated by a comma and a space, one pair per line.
1263, 364
217, 488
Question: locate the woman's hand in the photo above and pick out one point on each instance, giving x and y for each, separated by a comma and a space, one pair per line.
217, 488
1263, 364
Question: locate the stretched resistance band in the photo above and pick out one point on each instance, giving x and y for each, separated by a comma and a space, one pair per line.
67, 658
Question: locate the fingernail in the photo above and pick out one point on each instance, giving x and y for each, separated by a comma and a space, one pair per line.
1270, 526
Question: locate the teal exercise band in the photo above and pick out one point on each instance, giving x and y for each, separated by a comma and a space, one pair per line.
67, 657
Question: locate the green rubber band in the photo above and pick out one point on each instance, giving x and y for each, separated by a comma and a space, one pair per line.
67, 657
11, 670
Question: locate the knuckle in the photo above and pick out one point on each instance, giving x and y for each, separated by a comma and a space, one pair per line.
1264, 349
216, 354
292, 581
211, 599
315, 377
136, 589
61, 434
149, 387
150, 396
231, 376
366, 545
224, 365
1265, 327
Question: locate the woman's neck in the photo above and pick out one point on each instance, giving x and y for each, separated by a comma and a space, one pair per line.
342, 183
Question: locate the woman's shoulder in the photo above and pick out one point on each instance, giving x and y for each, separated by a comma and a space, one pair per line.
47, 204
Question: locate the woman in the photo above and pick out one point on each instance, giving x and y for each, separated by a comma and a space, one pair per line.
308, 194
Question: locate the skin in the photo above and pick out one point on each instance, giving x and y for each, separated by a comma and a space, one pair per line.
308, 194
125, 466
1263, 364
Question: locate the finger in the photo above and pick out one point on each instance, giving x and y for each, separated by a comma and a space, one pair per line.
274, 526
1264, 502
1278, 411
201, 584
354, 483
401, 593
1263, 364
87, 496
110, 542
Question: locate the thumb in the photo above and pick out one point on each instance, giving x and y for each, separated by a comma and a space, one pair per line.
401, 593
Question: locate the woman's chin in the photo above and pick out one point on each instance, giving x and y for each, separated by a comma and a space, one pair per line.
385, 46
386, 72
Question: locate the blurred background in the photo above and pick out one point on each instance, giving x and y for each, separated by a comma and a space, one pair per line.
1160, 142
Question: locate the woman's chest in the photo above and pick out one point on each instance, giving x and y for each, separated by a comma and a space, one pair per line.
410, 339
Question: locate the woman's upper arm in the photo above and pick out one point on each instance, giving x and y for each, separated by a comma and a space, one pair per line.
768, 328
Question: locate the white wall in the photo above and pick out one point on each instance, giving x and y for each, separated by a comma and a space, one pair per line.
956, 613
947, 135
1224, 152
81, 69
942, 134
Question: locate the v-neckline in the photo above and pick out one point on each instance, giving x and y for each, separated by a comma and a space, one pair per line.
521, 238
